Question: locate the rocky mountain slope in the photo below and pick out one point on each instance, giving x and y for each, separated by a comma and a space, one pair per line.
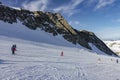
52, 23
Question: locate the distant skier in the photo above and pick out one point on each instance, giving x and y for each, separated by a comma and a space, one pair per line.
116, 60
99, 60
111, 59
62, 53
13, 49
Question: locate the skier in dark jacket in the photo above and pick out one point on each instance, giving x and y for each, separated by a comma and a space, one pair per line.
13, 49
116, 60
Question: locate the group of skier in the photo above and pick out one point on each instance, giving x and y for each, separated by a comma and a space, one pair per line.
13, 49
99, 60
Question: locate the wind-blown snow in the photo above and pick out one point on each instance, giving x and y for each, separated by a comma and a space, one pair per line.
40, 61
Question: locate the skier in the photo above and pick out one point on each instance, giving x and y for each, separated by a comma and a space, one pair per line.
13, 49
116, 60
62, 53
99, 59
111, 59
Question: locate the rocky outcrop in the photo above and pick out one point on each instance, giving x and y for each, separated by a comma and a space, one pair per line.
52, 23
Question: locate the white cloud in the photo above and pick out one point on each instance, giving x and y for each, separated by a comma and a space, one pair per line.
103, 3
118, 20
68, 8
35, 5
76, 23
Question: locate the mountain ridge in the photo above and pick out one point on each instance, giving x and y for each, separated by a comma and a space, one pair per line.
53, 23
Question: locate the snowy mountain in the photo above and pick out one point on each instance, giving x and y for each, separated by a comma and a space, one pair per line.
114, 45
38, 55
47, 27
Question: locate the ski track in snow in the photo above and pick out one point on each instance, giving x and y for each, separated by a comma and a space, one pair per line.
44, 71
38, 61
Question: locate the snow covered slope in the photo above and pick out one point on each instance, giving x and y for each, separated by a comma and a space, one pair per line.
40, 61
18, 30
114, 45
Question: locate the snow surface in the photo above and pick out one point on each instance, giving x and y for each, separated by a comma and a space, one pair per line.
114, 45
40, 61
94, 48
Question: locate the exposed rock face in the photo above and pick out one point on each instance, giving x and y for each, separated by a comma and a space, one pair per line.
52, 23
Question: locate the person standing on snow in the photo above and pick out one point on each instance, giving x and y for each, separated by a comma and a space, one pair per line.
116, 60
13, 49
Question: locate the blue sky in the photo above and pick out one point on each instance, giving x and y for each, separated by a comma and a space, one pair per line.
99, 16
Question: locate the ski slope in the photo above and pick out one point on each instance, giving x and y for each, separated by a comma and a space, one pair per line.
42, 61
